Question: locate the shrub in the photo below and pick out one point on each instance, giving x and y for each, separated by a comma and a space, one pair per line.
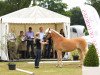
91, 58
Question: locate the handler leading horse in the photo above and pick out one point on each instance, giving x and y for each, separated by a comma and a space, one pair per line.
67, 45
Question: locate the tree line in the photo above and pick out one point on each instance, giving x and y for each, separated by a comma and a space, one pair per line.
8, 6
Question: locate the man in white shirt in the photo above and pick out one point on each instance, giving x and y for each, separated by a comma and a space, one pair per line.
11, 45
41, 36
41, 33
11, 37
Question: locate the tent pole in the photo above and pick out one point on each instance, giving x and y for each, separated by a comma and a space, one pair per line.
0, 36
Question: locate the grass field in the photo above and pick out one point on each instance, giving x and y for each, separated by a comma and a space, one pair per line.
45, 69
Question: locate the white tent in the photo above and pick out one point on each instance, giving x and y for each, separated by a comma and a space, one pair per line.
28, 15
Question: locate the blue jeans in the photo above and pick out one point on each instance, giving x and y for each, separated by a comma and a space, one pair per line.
37, 57
48, 51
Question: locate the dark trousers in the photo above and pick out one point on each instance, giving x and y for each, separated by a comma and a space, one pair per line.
48, 50
37, 57
22, 54
12, 51
30, 54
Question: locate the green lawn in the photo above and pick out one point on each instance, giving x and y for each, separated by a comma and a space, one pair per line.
45, 69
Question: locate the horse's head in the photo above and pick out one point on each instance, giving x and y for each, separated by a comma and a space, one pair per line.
48, 33
52, 33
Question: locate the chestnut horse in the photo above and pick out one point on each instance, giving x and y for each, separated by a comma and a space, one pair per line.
67, 45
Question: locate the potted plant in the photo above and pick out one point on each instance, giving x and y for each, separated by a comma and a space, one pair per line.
12, 66
0, 59
12, 55
91, 62
75, 55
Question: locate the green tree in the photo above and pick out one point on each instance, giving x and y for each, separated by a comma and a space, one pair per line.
68, 13
95, 4
54, 5
86, 31
58, 6
19, 4
9, 6
76, 17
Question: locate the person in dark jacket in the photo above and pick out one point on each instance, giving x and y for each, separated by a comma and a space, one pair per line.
49, 47
62, 32
38, 50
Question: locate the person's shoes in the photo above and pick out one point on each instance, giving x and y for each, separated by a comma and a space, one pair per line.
36, 67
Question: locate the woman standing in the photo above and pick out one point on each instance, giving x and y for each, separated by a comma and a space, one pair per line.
22, 45
62, 32
38, 50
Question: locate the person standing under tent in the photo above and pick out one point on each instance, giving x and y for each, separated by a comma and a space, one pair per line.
11, 45
41, 36
49, 47
62, 32
30, 42
41, 33
21, 39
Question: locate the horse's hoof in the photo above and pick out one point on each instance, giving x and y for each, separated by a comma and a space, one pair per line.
57, 65
79, 65
60, 66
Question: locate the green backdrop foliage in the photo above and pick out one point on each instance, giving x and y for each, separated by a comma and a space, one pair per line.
95, 4
76, 17
9, 6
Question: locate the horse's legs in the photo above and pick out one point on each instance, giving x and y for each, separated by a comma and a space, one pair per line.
53, 53
59, 57
81, 56
84, 51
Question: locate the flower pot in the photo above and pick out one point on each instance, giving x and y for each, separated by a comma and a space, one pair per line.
76, 57
90, 70
12, 66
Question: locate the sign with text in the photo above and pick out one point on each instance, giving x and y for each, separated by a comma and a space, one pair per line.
92, 21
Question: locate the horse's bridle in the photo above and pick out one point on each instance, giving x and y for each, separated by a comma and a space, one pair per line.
47, 33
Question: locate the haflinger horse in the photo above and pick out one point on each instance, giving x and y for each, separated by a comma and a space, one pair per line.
67, 45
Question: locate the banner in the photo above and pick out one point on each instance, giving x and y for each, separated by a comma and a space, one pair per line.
92, 21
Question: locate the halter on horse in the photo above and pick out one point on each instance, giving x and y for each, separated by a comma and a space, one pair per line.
67, 45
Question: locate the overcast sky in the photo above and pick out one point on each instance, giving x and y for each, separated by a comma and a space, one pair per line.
74, 3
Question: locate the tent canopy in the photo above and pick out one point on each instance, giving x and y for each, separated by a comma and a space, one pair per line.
34, 14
